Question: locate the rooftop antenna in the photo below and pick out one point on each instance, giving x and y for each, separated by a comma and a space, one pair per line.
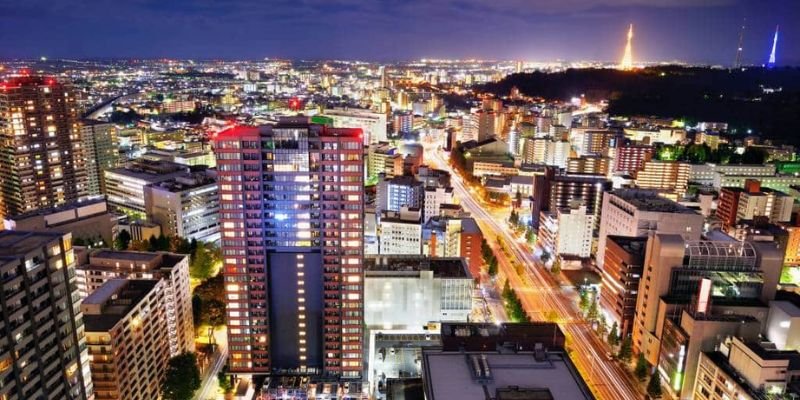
771, 62
740, 48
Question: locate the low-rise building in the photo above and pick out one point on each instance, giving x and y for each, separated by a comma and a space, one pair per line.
186, 206
622, 272
567, 231
509, 361
400, 232
125, 186
88, 220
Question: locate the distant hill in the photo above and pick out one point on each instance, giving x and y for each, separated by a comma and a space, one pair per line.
766, 101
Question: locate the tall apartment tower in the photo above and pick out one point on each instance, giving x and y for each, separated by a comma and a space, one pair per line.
291, 214
100, 148
41, 153
44, 352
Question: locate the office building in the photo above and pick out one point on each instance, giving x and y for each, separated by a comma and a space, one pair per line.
629, 159
567, 231
186, 206
706, 174
597, 142
291, 211
736, 204
552, 191
782, 183
394, 193
622, 272
44, 356
431, 177
101, 150
506, 361
658, 135
637, 213
98, 267
401, 232
434, 198
741, 273
372, 124
126, 333
669, 176
125, 185
382, 158
89, 220
403, 123
745, 371
42, 163
408, 292
589, 165
454, 237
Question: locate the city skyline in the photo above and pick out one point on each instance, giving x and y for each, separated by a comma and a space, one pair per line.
704, 32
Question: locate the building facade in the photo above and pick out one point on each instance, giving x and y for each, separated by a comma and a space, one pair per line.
292, 209
101, 149
45, 354
186, 206
42, 155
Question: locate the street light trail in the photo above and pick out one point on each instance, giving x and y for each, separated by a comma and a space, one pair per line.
537, 294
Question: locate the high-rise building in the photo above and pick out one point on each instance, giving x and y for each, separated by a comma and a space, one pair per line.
101, 149
41, 152
99, 267
372, 124
292, 210
589, 165
552, 191
740, 272
567, 231
44, 356
630, 159
637, 213
669, 176
126, 333
622, 271
394, 193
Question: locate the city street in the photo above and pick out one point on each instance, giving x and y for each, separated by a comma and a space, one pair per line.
209, 386
540, 295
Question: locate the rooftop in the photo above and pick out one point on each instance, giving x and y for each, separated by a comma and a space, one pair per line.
14, 244
114, 300
649, 200
62, 207
632, 245
395, 265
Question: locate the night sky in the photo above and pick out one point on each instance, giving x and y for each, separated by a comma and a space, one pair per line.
703, 31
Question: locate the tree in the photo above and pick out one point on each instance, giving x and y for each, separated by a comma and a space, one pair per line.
654, 386
225, 382
182, 378
139, 245
201, 265
641, 369
530, 236
592, 313
556, 268
626, 349
122, 240
197, 309
602, 328
583, 302
613, 336
492, 266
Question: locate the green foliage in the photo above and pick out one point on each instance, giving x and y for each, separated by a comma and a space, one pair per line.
492, 266
513, 305
211, 294
583, 302
530, 236
202, 263
592, 312
626, 349
642, 368
790, 275
613, 336
654, 386
225, 382
182, 378
514, 218
602, 328
556, 268
122, 241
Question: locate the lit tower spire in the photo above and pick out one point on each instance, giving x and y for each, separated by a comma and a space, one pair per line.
627, 59
771, 62
740, 48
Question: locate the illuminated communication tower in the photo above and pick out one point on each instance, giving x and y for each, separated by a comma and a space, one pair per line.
627, 59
